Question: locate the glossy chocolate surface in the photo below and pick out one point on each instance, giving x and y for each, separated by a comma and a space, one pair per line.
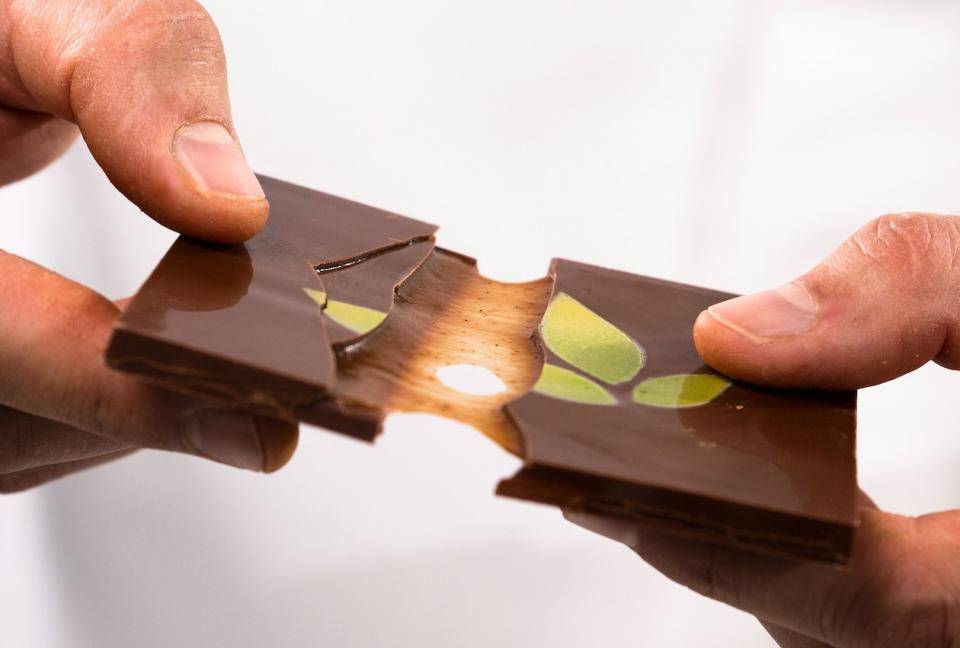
768, 470
234, 323
371, 283
337, 314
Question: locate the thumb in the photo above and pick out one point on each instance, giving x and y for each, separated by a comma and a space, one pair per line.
53, 333
881, 305
146, 83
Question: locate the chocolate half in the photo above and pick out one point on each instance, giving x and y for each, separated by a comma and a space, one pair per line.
241, 325
673, 442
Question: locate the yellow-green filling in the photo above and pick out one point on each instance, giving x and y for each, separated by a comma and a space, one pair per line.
565, 384
679, 390
589, 342
359, 319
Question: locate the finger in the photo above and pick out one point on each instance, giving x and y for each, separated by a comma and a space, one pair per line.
789, 639
28, 441
23, 480
30, 141
903, 587
146, 83
881, 305
52, 337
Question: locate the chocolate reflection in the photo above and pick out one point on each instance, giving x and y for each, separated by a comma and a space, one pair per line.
813, 447
205, 278
234, 324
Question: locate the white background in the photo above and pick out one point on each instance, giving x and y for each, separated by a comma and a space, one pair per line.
729, 144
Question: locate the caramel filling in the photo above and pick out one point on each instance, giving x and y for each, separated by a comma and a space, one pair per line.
446, 315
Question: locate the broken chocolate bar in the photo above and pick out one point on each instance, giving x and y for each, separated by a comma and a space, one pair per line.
650, 432
337, 314
241, 325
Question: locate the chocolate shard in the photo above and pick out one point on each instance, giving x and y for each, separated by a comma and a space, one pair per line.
328, 231
360, 295
627, 421
241, 324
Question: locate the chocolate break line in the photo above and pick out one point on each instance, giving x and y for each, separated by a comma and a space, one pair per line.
360, 258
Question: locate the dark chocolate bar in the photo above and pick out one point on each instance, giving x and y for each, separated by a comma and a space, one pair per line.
337, 314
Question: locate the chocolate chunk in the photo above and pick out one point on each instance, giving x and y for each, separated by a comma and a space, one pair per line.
240, 324
359, 296
626, 420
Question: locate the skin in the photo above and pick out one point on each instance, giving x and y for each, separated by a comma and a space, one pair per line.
133, 79
884, 303
129, 76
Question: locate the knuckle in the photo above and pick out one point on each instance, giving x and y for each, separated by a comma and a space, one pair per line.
154, 34
718, 578
89, 42
89, 404
107, 409
100, 415
172, 22
134, 414
899, 609
920, 627
917, 243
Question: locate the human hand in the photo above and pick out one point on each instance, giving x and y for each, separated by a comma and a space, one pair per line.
144, 83
881, 305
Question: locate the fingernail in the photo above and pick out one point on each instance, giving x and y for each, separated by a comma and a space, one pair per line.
784, 311
214, 160
619, 529
228, 437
